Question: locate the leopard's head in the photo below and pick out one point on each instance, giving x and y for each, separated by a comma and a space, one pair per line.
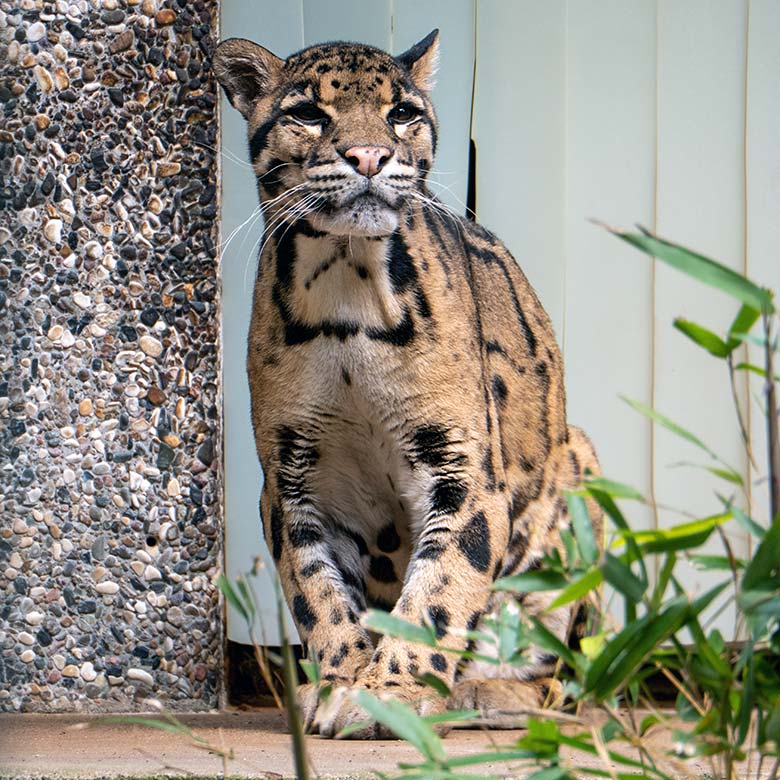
341, 133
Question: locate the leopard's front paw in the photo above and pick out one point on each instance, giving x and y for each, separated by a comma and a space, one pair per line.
307, 697
342, 710
310, 697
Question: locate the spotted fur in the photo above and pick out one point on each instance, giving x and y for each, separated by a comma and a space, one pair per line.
407, 390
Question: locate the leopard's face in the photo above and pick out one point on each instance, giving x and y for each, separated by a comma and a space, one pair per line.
342, 134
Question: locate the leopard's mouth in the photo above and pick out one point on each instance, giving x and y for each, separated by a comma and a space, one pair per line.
364, 213
368, 198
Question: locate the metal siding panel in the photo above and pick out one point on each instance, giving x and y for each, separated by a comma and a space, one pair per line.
278, 26
360, 21
519, 121
610, 152
700, 204
763, 200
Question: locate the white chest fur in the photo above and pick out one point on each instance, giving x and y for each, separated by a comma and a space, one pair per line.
339, 279
363, 478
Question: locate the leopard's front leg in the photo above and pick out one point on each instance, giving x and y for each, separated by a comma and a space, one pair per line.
317, 567
447, 586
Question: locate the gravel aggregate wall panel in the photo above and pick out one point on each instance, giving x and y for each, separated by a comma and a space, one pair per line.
110, 499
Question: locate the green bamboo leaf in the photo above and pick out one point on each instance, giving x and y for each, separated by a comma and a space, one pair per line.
750, 525
772, 728
390, 625
670, 425
727, 474
647, 723
231, 597
715, 562
310, 669
589, 581
715, 668
612, 511
491, 757
755, 370
549, 773
622, 579
432, 681
545, 638
701, 268
583, 530
452, 716
758, 341
247, 597
592, 646
710, 667
570, 546
700, 603
653, 631
662, 580
404, 722
622, 642
532, 581
743, 322
763, 568
613, 488
759, 603
704, 338
680, 537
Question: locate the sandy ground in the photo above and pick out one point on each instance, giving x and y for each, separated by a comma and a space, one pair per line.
37, 746
80, 746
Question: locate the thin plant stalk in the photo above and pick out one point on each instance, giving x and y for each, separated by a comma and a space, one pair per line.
772, 424
290, 684
738, 409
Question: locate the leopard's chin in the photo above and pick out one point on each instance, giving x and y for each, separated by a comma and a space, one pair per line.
366, 215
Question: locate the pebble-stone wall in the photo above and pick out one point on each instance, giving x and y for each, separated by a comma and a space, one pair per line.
110, 505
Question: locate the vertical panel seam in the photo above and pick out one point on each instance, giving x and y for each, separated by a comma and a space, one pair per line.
391, 34
565, 198
654, 262
746, 263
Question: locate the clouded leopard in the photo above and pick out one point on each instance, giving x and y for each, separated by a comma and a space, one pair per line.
407, 390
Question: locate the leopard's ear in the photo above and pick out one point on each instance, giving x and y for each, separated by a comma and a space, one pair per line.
422, 61
246, 72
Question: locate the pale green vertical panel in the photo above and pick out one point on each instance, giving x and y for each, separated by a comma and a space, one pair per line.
519, 126
763, 198
358, 21
700, 203
412, 21
278, 26
610, 153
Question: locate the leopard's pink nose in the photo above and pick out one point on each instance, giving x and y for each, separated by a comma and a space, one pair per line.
367, 160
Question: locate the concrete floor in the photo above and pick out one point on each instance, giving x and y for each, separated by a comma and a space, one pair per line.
62, 746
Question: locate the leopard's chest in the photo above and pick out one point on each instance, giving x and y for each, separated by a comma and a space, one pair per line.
341, 284
361, 410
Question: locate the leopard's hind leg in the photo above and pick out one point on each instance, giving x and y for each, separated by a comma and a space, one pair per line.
502, 692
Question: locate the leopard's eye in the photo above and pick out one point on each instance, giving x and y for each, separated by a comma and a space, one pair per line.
403, 113
308, 114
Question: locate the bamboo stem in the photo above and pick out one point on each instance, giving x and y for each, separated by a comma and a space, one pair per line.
772, 424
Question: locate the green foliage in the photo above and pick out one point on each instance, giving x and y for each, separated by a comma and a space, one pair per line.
728, 695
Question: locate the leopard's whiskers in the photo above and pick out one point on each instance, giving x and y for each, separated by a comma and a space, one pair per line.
260, 212
226, 243
289, 213
229, 155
